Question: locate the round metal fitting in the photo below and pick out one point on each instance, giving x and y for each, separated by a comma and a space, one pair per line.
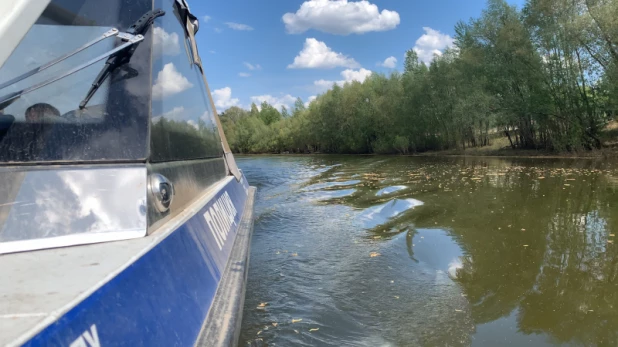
162, 192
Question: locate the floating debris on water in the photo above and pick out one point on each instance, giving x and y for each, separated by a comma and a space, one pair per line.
458, 196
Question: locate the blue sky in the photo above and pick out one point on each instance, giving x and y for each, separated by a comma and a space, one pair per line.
318, 43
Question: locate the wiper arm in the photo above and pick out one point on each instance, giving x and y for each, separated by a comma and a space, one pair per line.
131, 38
138, 29
6, 100
111, 32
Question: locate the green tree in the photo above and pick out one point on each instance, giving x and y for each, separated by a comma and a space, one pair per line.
545, 77
269, 114
299, 106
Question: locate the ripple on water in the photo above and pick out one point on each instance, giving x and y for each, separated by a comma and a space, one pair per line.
323, 185
377, 215
390, 190
330, 194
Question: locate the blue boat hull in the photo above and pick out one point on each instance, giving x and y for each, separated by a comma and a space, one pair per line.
164, 296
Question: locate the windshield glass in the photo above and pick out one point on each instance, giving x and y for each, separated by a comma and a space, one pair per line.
47, 124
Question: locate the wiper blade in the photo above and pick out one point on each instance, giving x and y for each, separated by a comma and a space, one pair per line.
109, 33
6, 100
116, 57
138, 29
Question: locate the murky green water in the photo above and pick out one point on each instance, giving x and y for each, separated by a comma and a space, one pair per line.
394, 251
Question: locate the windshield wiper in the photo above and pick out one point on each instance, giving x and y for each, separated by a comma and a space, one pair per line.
109, 33
138, 29
116, 57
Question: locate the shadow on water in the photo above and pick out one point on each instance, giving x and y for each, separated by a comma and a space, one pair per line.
433, 251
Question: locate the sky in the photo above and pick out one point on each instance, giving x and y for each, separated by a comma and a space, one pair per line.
278, 50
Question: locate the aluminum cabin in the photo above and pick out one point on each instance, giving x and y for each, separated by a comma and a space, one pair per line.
124, 219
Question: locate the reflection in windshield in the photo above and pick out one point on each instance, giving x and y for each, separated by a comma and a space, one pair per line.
183, 125
42, 44
114, 125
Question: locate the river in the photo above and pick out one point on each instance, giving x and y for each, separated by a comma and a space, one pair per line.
431, 251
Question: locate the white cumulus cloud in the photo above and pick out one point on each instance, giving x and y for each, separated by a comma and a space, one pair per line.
193, 123
389, 62
348, 76
244, 74
317, 55
341, 17
355, 75
238, 26
309, 100
253, 66
206, 19
207, 117
165, 42
430, 43
276, 102
169, 82
223, 98
175, 114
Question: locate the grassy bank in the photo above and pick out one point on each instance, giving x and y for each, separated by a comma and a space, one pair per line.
500, 147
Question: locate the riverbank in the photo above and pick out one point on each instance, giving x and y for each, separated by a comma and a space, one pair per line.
475, 152
500, 147
492, 151
604, 153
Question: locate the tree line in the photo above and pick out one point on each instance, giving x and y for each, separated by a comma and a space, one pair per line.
544, 77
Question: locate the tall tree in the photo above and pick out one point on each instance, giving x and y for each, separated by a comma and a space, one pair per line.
299, 106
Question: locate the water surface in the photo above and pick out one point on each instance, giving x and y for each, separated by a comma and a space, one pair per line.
408, 251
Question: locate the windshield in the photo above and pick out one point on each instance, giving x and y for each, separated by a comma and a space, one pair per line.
47, 124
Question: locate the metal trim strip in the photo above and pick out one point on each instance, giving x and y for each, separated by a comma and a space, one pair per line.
51, 207
69, 240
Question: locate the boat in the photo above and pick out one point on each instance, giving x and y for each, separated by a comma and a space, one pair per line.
124, 219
